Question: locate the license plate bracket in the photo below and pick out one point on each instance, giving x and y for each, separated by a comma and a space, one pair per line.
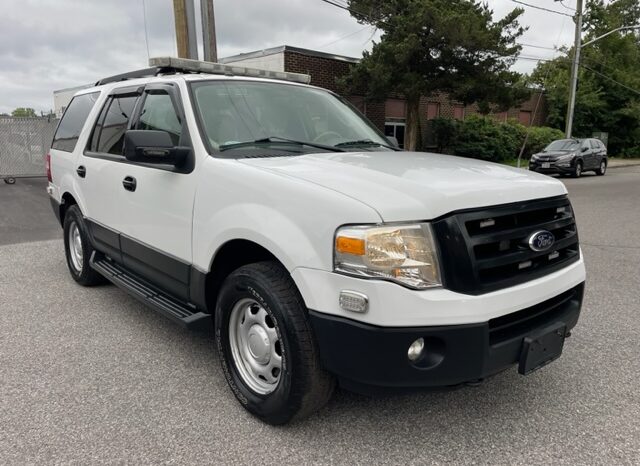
546, 165
540, 349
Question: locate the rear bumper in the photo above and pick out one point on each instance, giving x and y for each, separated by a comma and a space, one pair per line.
368, 358
55, 205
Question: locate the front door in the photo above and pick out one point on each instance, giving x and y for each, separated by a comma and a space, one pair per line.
157, 201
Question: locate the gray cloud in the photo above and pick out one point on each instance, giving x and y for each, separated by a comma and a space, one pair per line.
53, 44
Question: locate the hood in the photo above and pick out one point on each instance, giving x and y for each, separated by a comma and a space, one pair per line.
404, 186
552, 154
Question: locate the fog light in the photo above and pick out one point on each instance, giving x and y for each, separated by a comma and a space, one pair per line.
354, 301
415, 350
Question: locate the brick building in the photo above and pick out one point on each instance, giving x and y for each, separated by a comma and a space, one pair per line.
390, 115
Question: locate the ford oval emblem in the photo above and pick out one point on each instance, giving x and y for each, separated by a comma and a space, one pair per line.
541, 240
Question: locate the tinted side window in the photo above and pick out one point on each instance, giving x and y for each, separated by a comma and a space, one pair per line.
158, 113
594, 144
72, 122
110, 128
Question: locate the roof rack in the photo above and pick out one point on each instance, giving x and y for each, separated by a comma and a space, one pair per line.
169, 65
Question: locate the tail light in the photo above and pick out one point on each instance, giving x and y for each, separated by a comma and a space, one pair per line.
47, 165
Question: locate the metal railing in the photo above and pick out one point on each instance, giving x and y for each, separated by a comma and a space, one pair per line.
24, 143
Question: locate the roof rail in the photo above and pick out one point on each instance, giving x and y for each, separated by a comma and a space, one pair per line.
182, 65
144, 73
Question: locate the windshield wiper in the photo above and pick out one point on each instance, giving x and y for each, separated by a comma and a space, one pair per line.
278, 139
365, 143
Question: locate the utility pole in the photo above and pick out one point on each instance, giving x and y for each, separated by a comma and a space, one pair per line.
209, 31
574, 70
184, 16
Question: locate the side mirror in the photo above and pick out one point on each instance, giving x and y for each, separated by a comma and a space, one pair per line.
584, 149
393, 140
153, 147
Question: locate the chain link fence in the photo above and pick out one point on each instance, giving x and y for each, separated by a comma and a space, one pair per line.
24, 143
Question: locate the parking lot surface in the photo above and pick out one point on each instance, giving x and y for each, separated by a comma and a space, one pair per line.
89, 375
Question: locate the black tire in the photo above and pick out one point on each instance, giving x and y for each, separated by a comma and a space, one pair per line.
602, 169
577, 171
10, 180
84, 275
303, 386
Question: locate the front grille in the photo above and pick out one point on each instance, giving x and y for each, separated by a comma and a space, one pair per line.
486, 249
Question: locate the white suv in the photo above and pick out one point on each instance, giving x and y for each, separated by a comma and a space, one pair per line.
319, 252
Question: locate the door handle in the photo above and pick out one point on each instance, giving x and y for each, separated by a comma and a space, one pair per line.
81, 171
129, 183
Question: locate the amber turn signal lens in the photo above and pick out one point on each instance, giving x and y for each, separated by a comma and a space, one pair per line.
347, 245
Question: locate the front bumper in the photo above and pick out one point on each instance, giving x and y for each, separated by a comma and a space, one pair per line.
367, 358
554, 168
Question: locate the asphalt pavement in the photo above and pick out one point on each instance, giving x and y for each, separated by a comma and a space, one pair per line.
89, 375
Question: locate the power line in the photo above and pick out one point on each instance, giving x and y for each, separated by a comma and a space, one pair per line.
567, 7
537, 46
345, 36
541, 8
611, 79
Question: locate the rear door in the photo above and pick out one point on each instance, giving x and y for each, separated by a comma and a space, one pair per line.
587, 154
103, 164
156, 216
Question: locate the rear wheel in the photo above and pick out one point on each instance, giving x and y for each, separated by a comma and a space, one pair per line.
577, 171
78, 249
10, 180
602, 169
267, 350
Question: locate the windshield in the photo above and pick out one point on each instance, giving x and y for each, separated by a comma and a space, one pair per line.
563, 144
245, 111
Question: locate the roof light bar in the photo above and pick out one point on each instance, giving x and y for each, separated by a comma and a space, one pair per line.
185, 64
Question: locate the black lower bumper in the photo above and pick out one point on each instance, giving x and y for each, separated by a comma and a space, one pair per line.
367, 358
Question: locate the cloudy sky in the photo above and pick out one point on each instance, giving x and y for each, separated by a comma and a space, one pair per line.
54, 44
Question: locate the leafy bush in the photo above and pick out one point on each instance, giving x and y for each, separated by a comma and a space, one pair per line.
539, 138
445, 132
484, 138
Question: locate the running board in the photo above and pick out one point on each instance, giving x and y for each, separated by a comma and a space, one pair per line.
163, 303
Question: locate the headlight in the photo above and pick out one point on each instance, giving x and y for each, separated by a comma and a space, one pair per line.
405, 254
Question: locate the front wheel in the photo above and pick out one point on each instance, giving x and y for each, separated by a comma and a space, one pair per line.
267, 349
602, 169
577, 171
10, 180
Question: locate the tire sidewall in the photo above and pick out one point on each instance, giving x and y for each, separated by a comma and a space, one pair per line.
72, 216
275, 407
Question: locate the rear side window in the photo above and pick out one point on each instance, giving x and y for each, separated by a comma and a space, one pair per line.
108, 134
73, 121
594, 144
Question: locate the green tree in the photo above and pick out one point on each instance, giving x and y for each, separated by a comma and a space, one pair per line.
427, 46
23, 112
608, 97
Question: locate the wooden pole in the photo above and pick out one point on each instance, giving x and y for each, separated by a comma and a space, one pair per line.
209, 31
182, 32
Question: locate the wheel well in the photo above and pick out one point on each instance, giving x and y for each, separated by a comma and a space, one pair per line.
231, 256
67, 201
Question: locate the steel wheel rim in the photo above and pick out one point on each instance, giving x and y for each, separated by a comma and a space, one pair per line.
75, 247
255, 346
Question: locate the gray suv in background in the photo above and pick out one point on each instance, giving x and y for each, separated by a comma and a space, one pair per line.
571, 157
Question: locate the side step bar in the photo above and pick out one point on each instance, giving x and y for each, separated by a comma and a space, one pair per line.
168, 306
